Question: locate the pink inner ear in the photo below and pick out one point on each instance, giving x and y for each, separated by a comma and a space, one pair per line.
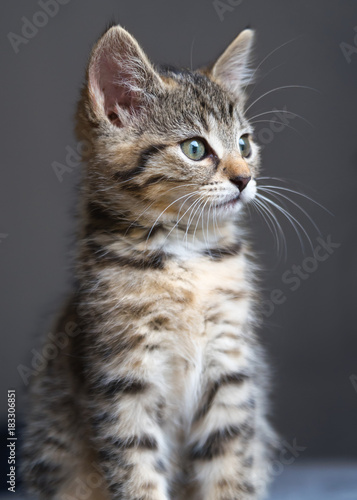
111, 86
114, 91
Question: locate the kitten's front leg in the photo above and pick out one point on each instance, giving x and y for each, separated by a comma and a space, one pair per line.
129, 441
228, 438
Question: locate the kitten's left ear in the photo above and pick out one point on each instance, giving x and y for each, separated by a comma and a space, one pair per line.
232, 69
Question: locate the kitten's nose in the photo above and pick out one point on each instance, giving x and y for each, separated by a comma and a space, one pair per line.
240, 181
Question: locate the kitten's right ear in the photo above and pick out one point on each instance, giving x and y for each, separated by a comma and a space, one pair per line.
121, 79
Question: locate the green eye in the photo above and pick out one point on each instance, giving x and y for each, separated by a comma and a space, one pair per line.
244, 145
194, 149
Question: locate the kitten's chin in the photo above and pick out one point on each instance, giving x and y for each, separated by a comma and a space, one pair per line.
230, 209
236, 202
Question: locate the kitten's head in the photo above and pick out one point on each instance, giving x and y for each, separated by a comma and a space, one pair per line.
167, 144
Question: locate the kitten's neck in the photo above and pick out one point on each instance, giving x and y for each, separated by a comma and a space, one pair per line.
125, 235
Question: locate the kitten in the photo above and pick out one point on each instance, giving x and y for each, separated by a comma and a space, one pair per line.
160, 390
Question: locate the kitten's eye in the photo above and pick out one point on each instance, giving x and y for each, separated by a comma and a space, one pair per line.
194, 149
244, 145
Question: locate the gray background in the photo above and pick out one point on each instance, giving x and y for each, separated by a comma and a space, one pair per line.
311, 337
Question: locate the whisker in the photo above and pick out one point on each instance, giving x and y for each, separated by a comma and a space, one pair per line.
280, 123
215, 220
266, 57
179, 220
192, 217
271, 191
186, 195
291, 219
271, 228
208, 216
203, 230
291, 222
276, 226
283, 111
194, 232
151, 204
280, 88
264, 77
267, 220
294, 192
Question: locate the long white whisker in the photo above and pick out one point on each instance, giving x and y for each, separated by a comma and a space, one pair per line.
178, 199
213, 220
203, 229
267, 220
266, 57
151, 204
280, 123
280, 88
201, 212
179, 220
273, 193
216, 219
192, 217
272, 229
283, 111
264, 77
291, 219
294, 192
274, 222
208, 216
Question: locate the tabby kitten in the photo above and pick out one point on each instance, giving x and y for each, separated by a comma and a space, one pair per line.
159, 392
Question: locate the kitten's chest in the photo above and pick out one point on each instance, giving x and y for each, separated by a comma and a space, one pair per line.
179, 322
220, 310
222, 294
196, 301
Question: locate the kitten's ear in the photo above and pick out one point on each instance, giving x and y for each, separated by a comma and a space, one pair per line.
232, 69
121, 79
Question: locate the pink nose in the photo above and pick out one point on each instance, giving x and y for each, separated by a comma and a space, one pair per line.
240, 181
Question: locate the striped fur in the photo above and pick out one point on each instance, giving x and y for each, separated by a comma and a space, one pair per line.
161, 394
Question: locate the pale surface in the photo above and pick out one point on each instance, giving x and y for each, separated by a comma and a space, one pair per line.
316, 482
306, 482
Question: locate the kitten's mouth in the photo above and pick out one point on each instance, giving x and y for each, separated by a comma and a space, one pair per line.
229, 203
